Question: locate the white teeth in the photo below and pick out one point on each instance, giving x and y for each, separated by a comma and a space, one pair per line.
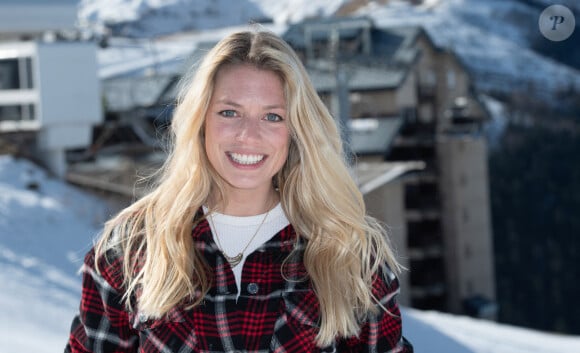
246, 158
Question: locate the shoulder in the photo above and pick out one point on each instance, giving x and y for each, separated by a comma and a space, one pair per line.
385, 286
108, 256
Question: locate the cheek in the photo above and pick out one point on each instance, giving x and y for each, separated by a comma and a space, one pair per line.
213, 134
210, 143
283, 142
207, 139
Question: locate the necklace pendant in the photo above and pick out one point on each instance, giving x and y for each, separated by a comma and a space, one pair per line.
235, 260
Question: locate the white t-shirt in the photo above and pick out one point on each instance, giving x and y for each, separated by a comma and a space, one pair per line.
235, 233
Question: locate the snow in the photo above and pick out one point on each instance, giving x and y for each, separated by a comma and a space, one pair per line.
290, 11
167, 16
46, 227
45, 232
164, 17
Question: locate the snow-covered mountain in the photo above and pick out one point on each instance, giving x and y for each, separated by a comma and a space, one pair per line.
149, 18
46, 227
493, 37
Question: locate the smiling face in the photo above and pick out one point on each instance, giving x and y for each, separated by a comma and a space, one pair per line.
246, 130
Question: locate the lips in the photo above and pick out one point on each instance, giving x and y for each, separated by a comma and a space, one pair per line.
246, 159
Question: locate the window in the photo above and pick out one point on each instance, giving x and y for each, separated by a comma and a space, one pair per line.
16, 73
17, 102
16, 112
9, 74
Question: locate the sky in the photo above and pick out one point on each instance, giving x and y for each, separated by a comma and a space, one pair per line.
46, 227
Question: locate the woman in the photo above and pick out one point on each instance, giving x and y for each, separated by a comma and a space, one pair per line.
255, 238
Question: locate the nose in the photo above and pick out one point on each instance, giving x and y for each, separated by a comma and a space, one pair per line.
249, 129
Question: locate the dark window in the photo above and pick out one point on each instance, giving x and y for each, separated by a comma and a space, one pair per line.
17, 112
16, 73
9, 78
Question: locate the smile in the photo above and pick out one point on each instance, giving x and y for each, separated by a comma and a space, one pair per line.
246, 159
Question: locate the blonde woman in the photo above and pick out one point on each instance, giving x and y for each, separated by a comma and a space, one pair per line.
255, 237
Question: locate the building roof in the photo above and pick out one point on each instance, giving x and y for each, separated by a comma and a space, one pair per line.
384, 63
373, 135
387, 43
358, 77
370, 176
319, 29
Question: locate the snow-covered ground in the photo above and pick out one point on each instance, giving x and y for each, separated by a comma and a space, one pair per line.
45, 231
46, 227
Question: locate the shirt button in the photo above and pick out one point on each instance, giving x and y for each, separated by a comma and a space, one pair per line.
253, 288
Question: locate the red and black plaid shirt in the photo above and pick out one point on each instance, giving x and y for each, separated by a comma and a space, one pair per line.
273, 313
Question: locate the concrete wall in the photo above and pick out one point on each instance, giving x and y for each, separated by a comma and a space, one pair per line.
441, 71
69, 94
407, 92
386, 204
466, 218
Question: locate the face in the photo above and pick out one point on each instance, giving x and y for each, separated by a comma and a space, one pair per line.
246, 130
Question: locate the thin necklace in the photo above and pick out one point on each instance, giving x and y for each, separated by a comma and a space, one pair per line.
235, 260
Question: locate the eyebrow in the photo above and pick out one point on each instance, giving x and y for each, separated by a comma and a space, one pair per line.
234, 104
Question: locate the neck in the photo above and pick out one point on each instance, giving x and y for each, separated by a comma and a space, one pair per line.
247, 203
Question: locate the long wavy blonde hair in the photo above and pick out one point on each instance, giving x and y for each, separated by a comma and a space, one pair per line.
345, 247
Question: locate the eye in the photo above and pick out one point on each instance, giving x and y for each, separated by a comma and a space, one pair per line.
273, 117
228, 113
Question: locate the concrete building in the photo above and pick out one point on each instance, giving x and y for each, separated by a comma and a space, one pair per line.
408, 100
49, 89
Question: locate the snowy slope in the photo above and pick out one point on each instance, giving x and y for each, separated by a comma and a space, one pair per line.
44, 234
37, 302
33, 221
